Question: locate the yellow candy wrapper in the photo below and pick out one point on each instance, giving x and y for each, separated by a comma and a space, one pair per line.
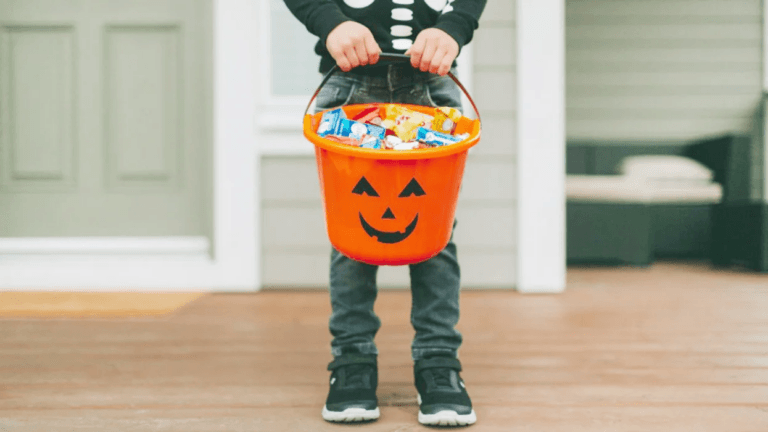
445, 119
405, 122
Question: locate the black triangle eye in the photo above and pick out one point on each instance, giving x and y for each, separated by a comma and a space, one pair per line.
412, 188
363, 187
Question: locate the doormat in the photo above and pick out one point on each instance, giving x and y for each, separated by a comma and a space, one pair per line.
54, 305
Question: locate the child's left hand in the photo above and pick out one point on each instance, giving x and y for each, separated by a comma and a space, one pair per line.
434, 51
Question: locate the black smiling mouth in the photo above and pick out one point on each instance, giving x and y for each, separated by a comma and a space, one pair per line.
388, 237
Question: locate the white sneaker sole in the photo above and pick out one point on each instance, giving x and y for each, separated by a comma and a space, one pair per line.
350, 415
446, 418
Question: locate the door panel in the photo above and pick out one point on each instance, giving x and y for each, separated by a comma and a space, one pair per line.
105, 117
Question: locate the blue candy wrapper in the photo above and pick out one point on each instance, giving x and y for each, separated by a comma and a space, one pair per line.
371, 142
329, 123
436, 138
351, 128
336, 123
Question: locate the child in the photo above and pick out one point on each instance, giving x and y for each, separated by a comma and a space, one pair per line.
352, 35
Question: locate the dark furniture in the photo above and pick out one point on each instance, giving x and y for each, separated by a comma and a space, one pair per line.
634, 233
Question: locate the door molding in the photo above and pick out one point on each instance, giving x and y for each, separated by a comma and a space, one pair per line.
232, 264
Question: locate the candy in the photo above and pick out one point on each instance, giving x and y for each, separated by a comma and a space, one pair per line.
436, 138
406, 129
348, 128
371, 142
405, 122
344, 140
369, 115
329, 122
357, 129
445, 119
401, 129
391, 141
407, 145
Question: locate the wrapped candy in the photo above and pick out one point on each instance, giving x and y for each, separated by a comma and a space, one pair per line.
436, 138
369, 115
404, 122
446, 119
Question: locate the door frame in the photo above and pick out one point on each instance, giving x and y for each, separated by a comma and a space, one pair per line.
231, 262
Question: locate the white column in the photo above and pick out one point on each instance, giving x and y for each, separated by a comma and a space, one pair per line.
541, 146
764, 120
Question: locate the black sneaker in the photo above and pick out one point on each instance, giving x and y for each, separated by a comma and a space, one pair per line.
352, 397
443, 400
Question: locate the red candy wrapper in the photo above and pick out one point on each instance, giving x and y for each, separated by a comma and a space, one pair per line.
369, 115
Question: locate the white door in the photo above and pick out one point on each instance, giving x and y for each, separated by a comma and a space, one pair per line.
111, 171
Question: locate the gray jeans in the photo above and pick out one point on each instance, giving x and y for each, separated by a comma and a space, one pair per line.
435, 282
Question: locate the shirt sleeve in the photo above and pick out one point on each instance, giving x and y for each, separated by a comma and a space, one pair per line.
319, 16
460, 19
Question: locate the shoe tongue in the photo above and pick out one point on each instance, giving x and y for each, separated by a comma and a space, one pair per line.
442, 377
356, 375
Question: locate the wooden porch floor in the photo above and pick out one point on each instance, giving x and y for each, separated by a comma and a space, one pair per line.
670, 348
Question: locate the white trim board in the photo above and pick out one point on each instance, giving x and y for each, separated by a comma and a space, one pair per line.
765, 46
541, 146
106, 245
234, 264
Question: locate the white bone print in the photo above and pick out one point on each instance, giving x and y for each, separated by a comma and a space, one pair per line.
402, 14
358, 4
437, 5
401, 32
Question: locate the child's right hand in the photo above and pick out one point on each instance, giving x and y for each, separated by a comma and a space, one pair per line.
351, 44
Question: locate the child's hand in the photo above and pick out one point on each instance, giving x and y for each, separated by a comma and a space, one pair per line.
434, 51
351, 44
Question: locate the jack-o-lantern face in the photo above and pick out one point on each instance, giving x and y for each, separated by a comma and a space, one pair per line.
413, 188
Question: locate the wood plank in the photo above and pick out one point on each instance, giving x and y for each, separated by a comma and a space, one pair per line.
673, 347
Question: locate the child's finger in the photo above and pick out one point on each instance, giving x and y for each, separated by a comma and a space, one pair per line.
437, 60
373, 49
416, 51
446, 65
343, 64
341, 59
426, 58
352, 57
360, 51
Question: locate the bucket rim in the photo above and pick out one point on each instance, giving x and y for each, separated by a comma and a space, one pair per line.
430, 153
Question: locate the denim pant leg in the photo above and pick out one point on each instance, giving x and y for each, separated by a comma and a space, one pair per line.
435, 304
435, 283
353, 323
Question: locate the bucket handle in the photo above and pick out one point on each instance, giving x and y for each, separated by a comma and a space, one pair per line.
390, 57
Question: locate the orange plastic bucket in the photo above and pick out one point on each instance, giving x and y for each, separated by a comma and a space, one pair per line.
390, 207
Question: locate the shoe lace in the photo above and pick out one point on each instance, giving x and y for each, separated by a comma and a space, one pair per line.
357, 375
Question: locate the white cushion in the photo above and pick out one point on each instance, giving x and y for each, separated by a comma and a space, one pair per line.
622, 189
664, 168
